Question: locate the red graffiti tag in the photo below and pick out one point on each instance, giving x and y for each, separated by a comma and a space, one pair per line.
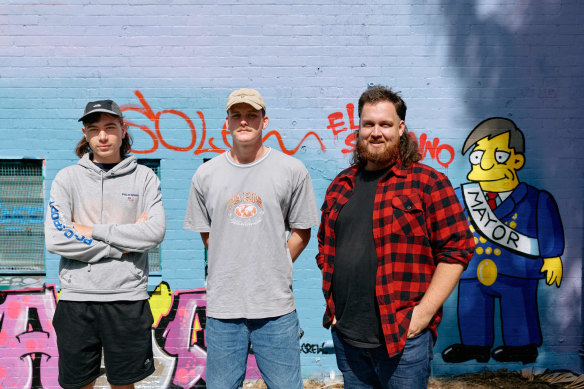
158, 138
435, 149
337, 126
442, 153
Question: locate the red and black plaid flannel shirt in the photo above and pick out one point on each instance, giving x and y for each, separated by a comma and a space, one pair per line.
417, 222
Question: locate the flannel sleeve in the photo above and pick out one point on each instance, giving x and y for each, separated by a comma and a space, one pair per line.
320, 238
451, 238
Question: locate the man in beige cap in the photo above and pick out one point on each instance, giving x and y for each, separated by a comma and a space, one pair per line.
254, 207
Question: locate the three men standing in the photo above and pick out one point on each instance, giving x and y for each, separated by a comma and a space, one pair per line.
254, 207
393, 242
104, 214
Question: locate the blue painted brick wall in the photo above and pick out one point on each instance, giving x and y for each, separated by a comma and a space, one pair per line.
455, 62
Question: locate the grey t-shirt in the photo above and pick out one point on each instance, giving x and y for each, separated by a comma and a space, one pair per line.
249, 209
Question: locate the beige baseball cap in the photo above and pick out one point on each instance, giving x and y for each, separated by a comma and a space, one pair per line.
247, 96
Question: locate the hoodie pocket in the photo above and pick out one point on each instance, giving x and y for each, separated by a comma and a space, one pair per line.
65, 271
107, 275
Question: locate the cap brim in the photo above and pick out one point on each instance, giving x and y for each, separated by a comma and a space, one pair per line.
254, 105
98, 110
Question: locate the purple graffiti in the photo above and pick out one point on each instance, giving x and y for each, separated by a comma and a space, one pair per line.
181, 333
27, 339
182, 339
28, 347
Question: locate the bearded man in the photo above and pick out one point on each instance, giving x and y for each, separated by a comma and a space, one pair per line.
393, 242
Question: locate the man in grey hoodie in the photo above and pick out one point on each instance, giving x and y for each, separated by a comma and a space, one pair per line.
104, 214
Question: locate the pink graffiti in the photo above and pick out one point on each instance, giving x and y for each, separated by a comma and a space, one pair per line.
27, 339
442, 153
181, 332
29, 350
157, 137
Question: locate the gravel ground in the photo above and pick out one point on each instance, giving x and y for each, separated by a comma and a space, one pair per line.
498, 379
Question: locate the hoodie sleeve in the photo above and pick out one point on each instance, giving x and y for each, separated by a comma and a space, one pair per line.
141, 236
60, 236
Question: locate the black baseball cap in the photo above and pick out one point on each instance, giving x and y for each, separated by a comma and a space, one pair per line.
106, 106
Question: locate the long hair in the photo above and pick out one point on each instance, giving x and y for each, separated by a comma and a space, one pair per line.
83, 148
408, 147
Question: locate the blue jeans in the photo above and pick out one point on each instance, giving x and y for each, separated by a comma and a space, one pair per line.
275, 343
373, 368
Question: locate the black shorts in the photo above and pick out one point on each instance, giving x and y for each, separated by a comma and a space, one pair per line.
122, 328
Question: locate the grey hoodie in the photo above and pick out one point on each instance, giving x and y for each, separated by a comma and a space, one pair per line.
112, 265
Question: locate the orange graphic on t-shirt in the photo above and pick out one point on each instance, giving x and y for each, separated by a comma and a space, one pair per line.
247, 198
246, 210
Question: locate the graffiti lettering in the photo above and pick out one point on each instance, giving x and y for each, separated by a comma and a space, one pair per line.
29, 349
313, 348
157, 136
337, 126
181, 333
27, 339
308, 348
442, 153
18, 216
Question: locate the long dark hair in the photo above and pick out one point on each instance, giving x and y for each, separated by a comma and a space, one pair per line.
408, 147
83, 148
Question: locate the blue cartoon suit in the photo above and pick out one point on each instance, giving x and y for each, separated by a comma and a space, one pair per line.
519, 240
530, 212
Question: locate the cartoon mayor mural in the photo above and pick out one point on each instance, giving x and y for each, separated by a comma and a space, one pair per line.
519, 240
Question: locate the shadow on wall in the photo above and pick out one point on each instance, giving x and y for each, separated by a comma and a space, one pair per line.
511, 54
523, 60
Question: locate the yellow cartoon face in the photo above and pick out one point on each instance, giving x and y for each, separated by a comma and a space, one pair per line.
494, 164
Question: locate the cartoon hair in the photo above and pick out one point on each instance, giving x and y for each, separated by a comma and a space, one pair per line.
492, 127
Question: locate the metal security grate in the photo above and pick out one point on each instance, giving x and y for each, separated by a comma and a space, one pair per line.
153, 254
22, 236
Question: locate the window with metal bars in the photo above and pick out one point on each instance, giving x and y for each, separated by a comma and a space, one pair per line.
22, 236
153, 254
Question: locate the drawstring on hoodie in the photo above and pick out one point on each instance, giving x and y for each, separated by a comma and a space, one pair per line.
89, 267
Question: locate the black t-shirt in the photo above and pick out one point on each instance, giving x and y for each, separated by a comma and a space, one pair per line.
355, 270
106, 167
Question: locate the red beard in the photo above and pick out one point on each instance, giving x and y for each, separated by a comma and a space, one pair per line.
382, 158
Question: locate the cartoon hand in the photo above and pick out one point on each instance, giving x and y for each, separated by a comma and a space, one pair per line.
553, 269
